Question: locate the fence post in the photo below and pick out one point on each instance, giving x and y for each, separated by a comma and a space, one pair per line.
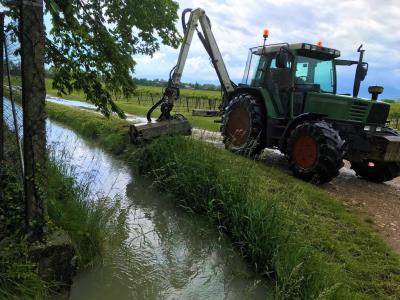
1, 86
34, 116
187, 103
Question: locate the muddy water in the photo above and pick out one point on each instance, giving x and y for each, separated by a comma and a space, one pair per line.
167, 253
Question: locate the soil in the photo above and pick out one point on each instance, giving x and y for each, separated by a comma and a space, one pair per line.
378, 204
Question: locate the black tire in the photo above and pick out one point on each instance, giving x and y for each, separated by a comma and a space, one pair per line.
380, 172
315, 152
243, 125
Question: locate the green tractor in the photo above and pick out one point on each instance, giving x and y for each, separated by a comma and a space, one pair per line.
288, 101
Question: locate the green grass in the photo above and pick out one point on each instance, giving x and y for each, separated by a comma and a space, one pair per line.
307, 240
394, 115
92, 224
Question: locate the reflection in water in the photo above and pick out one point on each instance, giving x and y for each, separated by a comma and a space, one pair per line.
168, 253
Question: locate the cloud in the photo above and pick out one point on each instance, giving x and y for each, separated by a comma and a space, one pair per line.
145, 59
340, 24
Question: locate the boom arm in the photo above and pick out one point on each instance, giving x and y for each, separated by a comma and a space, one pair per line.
207, 38
199, 16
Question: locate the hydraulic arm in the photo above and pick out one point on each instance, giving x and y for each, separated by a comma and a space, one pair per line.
197, 16
166, 123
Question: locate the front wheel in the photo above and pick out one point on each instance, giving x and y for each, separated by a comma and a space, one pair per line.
315, 152
376, 171
243, 125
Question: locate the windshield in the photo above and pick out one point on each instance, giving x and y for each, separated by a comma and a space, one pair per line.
252, 66
315, 71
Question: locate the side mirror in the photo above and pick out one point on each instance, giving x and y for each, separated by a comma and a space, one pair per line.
282, 59
362, 70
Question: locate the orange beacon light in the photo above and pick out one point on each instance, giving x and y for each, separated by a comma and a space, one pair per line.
265, 33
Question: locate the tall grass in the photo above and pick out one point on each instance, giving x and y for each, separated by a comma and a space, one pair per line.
93, 224
311, 244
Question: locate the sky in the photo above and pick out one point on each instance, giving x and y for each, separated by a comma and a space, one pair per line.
339, 24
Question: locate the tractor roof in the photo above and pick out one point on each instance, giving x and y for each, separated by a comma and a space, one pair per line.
304, 49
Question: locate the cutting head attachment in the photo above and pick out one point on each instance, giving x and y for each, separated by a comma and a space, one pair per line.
151, 130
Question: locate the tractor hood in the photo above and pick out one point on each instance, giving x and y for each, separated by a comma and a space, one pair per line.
347, 108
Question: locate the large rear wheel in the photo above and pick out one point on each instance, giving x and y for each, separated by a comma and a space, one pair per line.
243, 125
376, 171
315, 152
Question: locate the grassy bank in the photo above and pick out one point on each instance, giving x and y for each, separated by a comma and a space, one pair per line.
90, 224
312, 245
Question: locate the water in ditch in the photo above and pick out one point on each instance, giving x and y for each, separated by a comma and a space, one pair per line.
167, 253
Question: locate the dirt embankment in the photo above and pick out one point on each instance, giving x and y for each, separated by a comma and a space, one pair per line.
375, 203
378, 204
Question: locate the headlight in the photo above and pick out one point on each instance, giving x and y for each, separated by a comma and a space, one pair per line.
378, 129
367, 128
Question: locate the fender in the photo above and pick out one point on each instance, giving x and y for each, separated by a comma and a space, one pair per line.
293, 124
245, 89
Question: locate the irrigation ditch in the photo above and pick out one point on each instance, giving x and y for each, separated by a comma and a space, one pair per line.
308, 242
165, 252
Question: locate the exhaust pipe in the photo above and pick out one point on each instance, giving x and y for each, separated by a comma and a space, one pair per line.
375, 91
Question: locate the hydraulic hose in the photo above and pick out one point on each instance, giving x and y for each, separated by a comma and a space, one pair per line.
183, 18
159, 102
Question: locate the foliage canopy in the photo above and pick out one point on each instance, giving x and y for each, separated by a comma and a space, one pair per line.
91, 43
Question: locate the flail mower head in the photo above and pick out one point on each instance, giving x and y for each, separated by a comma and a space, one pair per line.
164, 125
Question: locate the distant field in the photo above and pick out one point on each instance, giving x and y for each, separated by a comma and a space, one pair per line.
131, 106
156, 90
395, 109
394, 115
184, 92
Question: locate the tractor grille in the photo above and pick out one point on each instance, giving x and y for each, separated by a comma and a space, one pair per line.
378, 114
358, 111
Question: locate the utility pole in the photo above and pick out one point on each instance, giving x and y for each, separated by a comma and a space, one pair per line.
34, 116
1, 86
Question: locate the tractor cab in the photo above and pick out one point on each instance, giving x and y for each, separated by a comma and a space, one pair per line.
289, 72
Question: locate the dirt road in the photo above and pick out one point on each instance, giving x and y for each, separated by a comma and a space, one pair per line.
375, 203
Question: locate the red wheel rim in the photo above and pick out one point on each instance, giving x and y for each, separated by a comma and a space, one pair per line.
305, 152
238, 126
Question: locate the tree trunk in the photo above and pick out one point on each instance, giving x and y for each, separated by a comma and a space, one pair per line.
34, 111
